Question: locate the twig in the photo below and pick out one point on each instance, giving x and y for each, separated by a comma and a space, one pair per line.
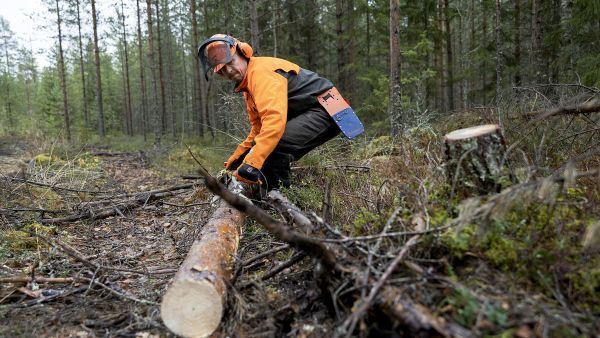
265, 254
54, 187
25, 279
295, 259
351, 322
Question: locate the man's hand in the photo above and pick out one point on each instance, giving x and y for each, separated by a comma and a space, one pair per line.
248, 174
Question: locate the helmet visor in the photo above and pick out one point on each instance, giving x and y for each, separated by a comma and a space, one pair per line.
215, 54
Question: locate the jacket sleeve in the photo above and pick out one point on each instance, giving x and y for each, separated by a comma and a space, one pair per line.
255, 126
269, 92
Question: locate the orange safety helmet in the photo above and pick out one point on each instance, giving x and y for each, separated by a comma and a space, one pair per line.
219, 49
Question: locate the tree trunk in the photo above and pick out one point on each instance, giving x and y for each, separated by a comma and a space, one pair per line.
185, 117
198, 103
497, 37
254, 29
129, 119
395, 85
349, 36
473, 76
170, 69
193, 305
101, 130
341, 52
143, 98
517, 51
311, 34
161, 75
475, 159
156, 124
86, 113
449, 63
536, 40
557, 42
484, 44
63, 78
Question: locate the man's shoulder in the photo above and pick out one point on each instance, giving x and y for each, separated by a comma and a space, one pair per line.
273, 63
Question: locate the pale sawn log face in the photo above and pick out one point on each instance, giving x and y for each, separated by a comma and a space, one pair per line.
192, 308
471, 132
193, 304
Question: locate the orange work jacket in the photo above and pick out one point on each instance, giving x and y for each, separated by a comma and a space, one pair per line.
266, 95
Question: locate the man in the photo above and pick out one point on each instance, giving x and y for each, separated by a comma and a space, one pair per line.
287, 120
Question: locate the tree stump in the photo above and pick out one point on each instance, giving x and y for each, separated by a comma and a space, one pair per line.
475, 162
193, 304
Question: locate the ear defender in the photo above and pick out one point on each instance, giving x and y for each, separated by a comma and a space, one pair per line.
245, 48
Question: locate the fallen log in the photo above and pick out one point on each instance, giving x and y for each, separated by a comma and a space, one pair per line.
139, 200
193, 304
475, 160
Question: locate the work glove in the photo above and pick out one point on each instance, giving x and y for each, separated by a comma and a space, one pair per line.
248, 174
232, 163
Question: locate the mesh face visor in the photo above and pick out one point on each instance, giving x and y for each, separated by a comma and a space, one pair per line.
214, 52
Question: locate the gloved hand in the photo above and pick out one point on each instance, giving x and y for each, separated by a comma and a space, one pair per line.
248, 174
233, 162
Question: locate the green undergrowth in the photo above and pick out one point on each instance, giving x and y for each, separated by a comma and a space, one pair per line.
538, 247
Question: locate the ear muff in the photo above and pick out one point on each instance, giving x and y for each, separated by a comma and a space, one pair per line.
245, 48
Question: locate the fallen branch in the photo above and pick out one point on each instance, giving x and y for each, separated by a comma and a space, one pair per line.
288, 209
54, 187
341, 167
592, 106
365, 304
140, 199
40, 280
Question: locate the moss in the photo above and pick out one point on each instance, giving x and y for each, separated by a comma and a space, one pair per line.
586, 284
501, 251
365, 222
459, 242
45, 159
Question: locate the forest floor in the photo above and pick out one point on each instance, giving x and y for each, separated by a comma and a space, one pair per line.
522, 261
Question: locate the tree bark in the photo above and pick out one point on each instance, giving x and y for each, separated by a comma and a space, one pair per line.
395, 85
86, 113
63, 78
472, 77
129, 119
101, 130
194, 303
254, 29
536, 40
143, 98
517, 51
311, 34
498, 60
484, 44
161, 75
156, 117
449, 62
475, 159
349, 37
341, 52
198, 103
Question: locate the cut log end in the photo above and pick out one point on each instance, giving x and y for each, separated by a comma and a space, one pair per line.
462, 134
192, 308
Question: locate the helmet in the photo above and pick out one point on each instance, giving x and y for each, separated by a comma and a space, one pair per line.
219, 49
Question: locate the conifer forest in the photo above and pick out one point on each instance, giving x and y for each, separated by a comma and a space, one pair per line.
468, 207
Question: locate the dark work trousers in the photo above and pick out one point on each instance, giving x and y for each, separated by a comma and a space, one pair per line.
302, 134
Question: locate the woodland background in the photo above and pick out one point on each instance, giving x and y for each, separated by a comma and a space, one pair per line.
94, 164
142, 76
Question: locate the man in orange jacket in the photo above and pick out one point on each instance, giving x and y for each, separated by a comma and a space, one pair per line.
286, 118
